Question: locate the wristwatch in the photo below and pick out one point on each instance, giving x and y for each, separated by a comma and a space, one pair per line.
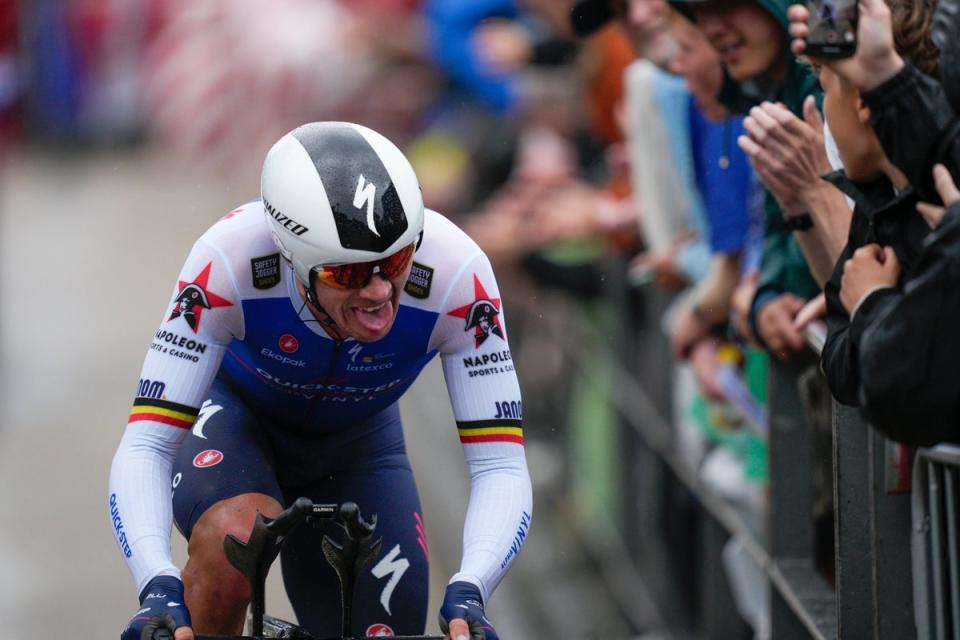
800, 222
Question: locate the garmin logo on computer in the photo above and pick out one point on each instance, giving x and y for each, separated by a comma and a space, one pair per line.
286, 222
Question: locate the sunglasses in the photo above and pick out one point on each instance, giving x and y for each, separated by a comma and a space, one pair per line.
357, 275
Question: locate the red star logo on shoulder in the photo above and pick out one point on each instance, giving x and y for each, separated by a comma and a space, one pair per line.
193, 298
482, 315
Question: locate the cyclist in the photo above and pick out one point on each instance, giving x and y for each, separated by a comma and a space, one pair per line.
298, 321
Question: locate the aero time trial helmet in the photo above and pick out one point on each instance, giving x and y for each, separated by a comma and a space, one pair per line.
337, 193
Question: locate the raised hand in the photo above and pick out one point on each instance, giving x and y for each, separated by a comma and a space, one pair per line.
876, 59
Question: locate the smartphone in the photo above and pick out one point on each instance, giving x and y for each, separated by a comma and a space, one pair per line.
833, 28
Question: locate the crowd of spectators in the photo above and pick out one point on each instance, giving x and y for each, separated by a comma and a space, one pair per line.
781, 200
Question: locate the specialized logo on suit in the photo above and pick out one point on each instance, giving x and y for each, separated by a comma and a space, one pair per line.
193, 297
482, 315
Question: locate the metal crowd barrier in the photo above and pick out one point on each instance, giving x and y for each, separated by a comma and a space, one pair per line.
936, 543
669, 528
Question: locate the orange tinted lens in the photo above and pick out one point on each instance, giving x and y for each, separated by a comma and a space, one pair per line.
357, 275
392, 266
337, 277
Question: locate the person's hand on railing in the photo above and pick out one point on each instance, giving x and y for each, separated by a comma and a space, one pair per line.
462, 616
775, 326
162, 606
703, 362
872, 267
809, 323
740, 303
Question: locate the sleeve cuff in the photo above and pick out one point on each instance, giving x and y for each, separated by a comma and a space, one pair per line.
887, 92
475, 581
759, 301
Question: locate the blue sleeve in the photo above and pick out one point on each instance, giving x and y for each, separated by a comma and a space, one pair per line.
450, 26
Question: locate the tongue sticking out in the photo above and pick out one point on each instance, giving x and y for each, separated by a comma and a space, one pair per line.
374, 320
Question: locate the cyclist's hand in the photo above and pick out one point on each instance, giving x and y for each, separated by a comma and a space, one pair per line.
461, 615
162, 609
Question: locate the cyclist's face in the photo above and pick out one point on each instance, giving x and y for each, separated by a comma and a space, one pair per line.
365, 314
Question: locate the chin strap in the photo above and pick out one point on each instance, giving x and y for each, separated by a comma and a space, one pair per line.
321, 314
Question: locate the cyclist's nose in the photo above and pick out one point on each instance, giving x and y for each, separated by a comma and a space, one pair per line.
379, 287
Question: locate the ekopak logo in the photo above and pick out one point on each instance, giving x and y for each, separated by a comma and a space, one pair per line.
288, 343
208, 458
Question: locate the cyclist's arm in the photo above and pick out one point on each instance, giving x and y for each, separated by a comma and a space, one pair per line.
485, 396
181, 362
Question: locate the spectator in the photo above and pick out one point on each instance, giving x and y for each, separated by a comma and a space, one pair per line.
752, 40
886, 212
899, 293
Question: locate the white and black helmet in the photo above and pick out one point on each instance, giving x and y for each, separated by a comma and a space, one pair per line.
336, 193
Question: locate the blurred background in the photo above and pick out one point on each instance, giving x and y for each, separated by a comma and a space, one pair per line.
127, 127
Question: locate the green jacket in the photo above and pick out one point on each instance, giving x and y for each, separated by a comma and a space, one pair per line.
783, 268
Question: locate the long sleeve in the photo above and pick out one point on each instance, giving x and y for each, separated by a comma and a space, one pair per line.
908, 351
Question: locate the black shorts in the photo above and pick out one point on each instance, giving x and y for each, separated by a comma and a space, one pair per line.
233, 451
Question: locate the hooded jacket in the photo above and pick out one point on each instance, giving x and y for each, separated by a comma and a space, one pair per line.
783, 268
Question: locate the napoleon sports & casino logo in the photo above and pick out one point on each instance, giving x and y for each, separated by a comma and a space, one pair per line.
482, 315
194, 297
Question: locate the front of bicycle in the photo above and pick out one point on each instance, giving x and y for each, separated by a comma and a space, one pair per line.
254, 558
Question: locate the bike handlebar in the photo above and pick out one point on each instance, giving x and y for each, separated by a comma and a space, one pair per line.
302, 510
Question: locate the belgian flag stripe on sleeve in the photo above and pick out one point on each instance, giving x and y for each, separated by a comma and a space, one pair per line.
171, 413
491, 431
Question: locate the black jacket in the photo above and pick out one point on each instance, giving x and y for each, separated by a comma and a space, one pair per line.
911, 116
909, 355
888, 219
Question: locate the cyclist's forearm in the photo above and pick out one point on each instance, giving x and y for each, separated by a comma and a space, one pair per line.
498, 518
139, 501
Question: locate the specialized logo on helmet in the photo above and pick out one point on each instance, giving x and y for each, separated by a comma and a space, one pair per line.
286, 222
366, 207
193, 298
482, 315
364, 197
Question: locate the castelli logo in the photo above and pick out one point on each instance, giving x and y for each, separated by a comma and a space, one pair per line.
207, 458
379, 630
288, 344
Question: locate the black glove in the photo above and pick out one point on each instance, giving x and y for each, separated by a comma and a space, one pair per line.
462, 600
161, 607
